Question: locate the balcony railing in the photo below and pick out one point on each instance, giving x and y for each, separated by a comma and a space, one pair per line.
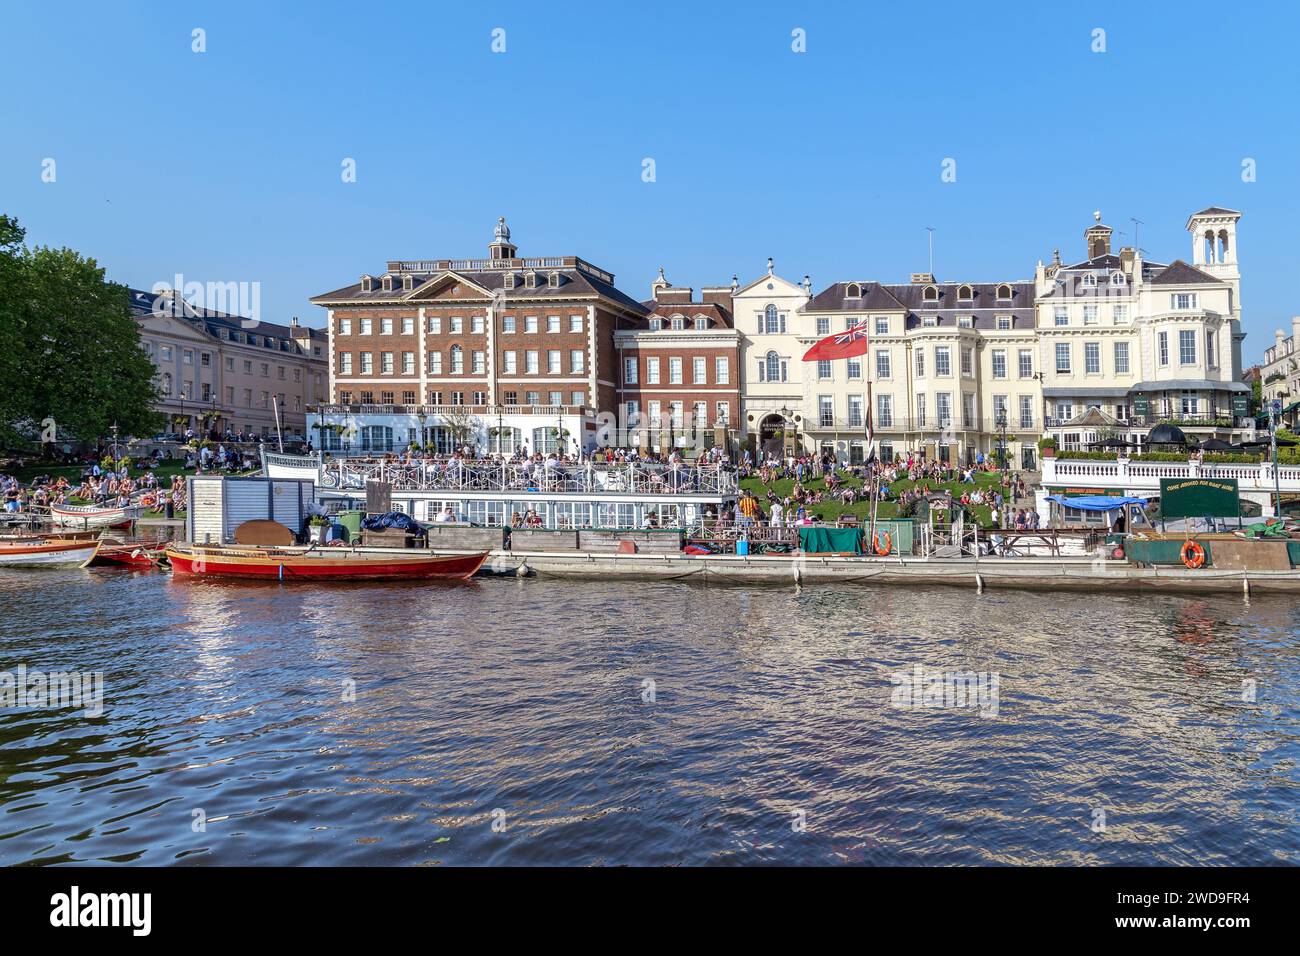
433, 411
590, 478
899, 423
1196, 420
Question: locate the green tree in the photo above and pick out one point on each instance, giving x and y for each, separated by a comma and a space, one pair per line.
69, 345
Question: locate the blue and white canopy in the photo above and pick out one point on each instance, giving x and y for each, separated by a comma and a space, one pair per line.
1096, 502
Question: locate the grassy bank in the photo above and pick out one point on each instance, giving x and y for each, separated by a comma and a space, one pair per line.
833, 508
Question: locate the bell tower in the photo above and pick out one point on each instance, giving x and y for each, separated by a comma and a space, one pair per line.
1214, 242
1097, 236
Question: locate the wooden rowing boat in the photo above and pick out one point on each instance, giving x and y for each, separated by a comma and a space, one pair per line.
47, 553
139, 556
312, 564
94, 516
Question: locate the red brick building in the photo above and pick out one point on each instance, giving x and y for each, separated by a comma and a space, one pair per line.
679, 369
495, 353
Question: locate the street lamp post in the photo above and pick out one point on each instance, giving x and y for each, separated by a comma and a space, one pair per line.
1274, 413
422, 417
501, 427
1002, 439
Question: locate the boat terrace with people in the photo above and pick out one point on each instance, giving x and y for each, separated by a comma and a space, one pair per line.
547, 493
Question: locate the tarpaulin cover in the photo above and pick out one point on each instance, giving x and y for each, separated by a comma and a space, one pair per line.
392, 521
831, 539
1096, 502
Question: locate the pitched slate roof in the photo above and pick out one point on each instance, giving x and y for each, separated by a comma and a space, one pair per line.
983, 307
575, 281
145, 304
1180, 273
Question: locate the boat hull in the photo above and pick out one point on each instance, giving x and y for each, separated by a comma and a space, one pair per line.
322, 566
131, 556
47, 554
77, 517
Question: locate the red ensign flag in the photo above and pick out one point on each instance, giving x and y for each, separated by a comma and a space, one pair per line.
841, 345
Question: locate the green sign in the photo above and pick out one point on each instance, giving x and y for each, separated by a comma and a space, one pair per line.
1240, 404
1198, 497
1141, 406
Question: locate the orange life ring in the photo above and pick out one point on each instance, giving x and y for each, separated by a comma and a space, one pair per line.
875, 543
1118, 553
1193, 554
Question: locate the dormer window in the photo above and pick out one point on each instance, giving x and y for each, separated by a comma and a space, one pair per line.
854, 291
1004, 291
1089, 280
553, 280
966, 321
1117, 278
965, 293
701, 323
656, 324
929, 321
931, 293
388, 283
530, 280
679, 323
367, 284
510, 280
408, 282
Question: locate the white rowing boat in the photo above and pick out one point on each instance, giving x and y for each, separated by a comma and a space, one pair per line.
93, 516
47, 553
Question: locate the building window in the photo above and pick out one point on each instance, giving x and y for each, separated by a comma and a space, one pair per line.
772, 369
1062, 358
920, 363
942, 360
553, 362
1026, 363
530, 323
773, 321
577, 361
853, 368
507, 325
1004, 323
967, 410
1162, 347
968, 361
575, 323
943, 405
823, 326
657, 324
1187, 347
1119, 314
367, 326
722, 370
367, 363
509, 362
823, 369
1121, 358
479, 360
855, 411
476, 324
1026, 411
386, 363
1004, 291
883, 364
1089, 315
825, 411
629, 371
1092, 358
699, 370
652, 370
1211, 353
999, 363
435, 364
1182, 301
531, 362
931, 293
345, 363
882, 325
884, 411
675, 370
457, 360
1061, 315
552, 323
724, 412
1089, 280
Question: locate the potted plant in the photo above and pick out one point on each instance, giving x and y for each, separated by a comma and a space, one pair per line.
1047, 447
320, 526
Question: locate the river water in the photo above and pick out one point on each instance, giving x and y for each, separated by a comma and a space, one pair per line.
528, 721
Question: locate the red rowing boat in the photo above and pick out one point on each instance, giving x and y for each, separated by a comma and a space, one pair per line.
311, 564
138, 556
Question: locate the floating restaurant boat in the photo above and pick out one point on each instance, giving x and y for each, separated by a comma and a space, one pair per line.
47, 553
321, 564
94, 516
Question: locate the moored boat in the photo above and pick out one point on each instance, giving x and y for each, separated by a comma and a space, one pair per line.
47, 553
315, 564
94, 516
138, 556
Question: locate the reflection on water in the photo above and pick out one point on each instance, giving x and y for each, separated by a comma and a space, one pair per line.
534, 721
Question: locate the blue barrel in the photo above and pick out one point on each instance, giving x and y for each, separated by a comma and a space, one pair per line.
742, 547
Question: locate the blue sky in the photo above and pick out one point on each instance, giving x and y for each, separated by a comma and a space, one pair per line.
225, 165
